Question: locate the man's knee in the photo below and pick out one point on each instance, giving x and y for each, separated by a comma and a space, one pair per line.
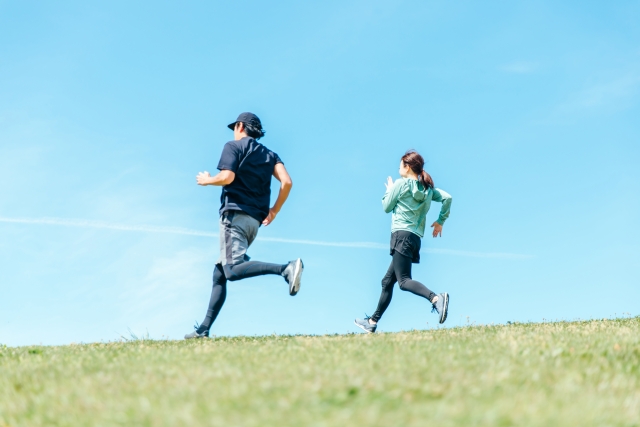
218, 274
387, 283
402, 284
229, 273
226, 272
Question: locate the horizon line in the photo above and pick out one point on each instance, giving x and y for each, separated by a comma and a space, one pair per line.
86, 223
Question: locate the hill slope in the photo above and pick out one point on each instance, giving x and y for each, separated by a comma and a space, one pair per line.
568, 373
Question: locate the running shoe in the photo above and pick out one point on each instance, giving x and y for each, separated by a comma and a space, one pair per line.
292, 274
442, 306
195, 334
365, 325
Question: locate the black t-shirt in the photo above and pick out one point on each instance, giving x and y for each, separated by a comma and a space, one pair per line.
250, 191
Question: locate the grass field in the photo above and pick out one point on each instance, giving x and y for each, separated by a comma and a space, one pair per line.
549, 374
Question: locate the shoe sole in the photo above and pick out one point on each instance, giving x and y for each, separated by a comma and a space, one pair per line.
445, 308
294, 287
186, 337
362, 327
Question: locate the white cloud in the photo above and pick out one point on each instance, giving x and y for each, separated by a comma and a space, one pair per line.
191, 232
614, 93
502, 255
107, 225
519, 67
170, 288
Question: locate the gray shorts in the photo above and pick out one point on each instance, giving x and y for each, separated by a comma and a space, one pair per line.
237, 232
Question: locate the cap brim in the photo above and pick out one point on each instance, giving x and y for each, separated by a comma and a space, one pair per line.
232, 126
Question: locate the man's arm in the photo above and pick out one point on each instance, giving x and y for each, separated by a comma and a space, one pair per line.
228, 165
224, 177
281, 174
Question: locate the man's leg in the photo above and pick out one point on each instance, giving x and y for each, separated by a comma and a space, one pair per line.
402, 267
218, 296
252, 269
237, 232
292, 272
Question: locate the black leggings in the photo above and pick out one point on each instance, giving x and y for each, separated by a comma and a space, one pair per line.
232, 273
399, 271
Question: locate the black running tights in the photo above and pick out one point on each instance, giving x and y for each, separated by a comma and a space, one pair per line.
232, 273
399, 271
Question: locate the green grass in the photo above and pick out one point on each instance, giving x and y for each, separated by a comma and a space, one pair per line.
549, 374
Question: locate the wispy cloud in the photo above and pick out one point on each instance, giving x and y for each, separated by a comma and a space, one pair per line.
615, 93
502, 255
519, 67
71, 222
171, 281
190, 232
368, 245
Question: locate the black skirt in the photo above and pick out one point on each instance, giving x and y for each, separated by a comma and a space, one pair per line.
406, 243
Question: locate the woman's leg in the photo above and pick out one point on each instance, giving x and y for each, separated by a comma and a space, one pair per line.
218, 295
402, 268
388, 281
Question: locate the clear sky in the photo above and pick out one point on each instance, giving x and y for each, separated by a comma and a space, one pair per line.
528, 114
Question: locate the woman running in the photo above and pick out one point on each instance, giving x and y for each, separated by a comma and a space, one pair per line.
409, 199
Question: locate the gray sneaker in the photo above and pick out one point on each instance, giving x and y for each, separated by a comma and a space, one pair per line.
365, 325
292, 274
442, 306
196, 334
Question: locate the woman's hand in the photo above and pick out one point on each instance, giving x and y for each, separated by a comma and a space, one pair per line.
389, 182
437, 229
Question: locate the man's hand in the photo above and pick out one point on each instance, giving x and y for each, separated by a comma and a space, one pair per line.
203, 178
269, 219
281, 174
437, 229
389, 182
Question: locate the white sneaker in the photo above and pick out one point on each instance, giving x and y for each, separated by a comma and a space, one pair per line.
292, 274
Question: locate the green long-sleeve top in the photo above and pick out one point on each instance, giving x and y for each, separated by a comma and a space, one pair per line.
409, 202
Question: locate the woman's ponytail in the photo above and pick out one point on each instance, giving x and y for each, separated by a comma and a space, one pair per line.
416, 164
426, 180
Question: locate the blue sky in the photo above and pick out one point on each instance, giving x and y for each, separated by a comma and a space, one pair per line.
527, 113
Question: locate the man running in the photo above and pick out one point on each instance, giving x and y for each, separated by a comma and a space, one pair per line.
246, 167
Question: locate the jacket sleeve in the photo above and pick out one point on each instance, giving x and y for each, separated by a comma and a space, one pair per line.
390, 198
444, 198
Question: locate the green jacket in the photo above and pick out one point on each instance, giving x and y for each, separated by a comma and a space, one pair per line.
409, 202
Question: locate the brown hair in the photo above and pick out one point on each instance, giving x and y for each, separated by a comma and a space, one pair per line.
416, 163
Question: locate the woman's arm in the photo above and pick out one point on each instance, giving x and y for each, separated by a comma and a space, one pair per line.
390, 198
444, 198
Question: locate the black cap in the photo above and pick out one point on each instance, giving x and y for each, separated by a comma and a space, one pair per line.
248, 118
